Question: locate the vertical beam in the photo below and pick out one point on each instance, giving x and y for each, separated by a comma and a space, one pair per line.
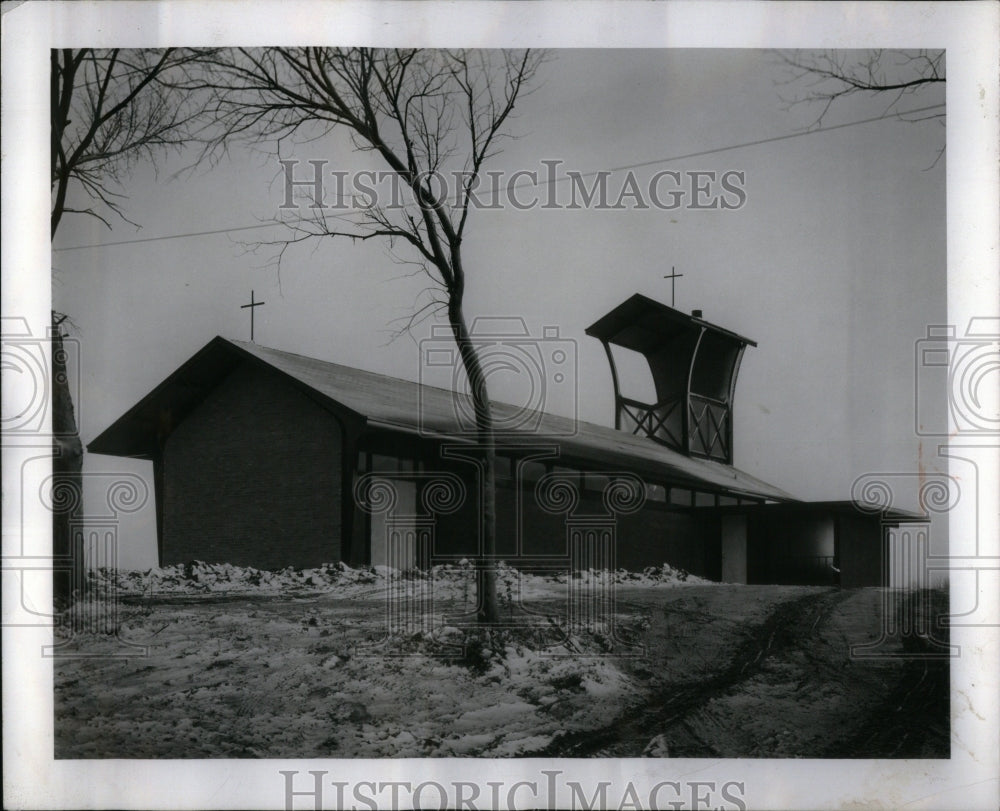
686, 424
885, 548
158, 501
837, 531
614, 380
349, 457
361, 526
731, 403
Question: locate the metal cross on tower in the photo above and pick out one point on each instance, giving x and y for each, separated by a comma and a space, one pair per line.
673, 281
251, 305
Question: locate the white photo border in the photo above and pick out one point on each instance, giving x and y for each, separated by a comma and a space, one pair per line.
969, 33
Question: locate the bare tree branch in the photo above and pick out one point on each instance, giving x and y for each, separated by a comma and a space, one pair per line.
829, 76
110, 109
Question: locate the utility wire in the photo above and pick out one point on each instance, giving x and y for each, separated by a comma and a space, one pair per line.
168, 236
715, 151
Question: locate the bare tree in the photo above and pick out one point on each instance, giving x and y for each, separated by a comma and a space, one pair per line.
829, 76
428, 115
109, 110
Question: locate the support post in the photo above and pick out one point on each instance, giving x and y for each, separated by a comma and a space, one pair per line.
614, 380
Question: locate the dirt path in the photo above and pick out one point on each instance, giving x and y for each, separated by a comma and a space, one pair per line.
665, 715
912, 720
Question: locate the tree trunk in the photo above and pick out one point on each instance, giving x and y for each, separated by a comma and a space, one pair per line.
67, 477
486, 583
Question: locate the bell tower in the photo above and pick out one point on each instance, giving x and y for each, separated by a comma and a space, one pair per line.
694, 365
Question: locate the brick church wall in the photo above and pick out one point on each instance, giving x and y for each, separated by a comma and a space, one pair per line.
653, 536
252, 477
686, 540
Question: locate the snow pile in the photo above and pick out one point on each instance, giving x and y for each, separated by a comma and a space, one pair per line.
506, 698
514, 582
666, 575
592, 689
458, 581
200, 577
454, 581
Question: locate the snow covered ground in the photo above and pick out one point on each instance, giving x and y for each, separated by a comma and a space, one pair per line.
219, 661
451, 580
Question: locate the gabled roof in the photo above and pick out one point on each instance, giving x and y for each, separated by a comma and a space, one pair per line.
389, 403
642, 324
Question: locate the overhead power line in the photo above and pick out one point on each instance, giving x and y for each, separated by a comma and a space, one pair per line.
168, 236
700, 154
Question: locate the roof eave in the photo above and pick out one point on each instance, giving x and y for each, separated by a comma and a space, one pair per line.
122, 437
599, 328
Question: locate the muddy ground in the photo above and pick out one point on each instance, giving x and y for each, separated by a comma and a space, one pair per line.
690, 671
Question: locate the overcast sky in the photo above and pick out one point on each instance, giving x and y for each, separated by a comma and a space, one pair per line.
835, 264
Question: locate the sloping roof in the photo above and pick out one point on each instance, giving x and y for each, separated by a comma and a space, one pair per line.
642, 324
401, 405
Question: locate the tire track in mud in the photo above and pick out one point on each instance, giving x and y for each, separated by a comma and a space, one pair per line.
789, 626
914, 719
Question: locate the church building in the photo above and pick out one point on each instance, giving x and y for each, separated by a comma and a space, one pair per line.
270, 459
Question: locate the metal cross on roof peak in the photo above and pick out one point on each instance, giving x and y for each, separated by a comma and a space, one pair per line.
673, 281
253, 304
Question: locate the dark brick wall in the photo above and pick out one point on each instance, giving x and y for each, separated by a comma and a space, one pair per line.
651, 537
860, 540
792, 548
252, 477
689, 540
360, 551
